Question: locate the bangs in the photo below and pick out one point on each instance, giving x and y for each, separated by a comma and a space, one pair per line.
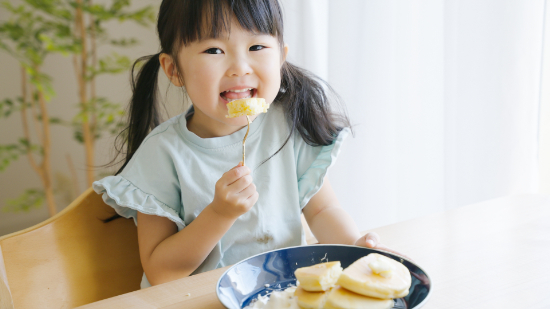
208, 19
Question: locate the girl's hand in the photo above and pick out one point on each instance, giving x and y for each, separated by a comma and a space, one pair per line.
372, 240
235, 193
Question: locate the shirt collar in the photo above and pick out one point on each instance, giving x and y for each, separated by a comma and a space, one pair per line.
232, 140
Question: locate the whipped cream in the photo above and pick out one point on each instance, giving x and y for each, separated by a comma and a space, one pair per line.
276, 300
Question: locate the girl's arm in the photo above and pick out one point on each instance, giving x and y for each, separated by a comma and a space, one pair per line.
167, 254
327, 220
331, 224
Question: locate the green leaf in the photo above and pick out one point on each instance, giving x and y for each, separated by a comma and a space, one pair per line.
109, 117
6, 108
124, 42
111, 64
30, 199
55, 120
78, 135
10, 153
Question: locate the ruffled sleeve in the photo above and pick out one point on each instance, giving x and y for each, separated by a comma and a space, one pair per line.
312, 164
149, 183
127, 199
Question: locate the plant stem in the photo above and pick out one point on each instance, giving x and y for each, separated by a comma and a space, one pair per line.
46, 146
34, 118
86, 132
92, 81
33, 163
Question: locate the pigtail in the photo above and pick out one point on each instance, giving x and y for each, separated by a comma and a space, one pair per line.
143, 112
309, 102
310, 105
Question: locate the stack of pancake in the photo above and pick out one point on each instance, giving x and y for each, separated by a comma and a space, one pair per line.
372, 282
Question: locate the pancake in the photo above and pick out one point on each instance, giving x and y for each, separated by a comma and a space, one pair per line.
310, 300
340, 298
319, 277
376, 280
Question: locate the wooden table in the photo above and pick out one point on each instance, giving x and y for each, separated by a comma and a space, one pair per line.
494, 254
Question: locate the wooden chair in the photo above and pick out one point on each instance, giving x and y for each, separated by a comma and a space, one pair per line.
71, 259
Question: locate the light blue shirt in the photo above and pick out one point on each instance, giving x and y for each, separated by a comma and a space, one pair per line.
173, 174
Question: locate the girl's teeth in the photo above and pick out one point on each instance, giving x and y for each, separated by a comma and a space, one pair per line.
242, 90
232, 95
247, 97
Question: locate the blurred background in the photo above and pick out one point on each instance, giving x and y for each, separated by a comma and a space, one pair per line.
450, 100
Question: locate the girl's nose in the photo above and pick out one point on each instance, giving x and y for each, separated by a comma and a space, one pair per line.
239, 67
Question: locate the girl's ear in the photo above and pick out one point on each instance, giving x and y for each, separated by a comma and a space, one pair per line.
285, 53
169, 68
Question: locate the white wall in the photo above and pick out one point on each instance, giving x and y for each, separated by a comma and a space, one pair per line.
544, 130
444, 95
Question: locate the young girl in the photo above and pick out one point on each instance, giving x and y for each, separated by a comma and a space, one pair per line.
194, 209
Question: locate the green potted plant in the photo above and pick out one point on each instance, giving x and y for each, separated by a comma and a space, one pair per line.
36, 29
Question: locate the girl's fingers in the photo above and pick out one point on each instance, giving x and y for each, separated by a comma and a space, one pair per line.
254, 197
372, 239
241, 184
248, 191
238, 165
235, 174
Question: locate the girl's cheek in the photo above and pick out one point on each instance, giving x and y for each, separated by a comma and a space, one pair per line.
202, 76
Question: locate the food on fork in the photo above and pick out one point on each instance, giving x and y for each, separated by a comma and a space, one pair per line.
376, 276
320, 277
243, 107
310, 300
246, 107
340, 298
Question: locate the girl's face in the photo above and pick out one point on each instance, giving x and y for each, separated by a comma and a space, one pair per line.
236, 65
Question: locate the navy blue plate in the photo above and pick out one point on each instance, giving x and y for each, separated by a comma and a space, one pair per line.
274, 270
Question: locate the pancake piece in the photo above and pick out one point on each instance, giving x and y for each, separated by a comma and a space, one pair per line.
377, 276
310, 300
340, 298
320, 277
242, 107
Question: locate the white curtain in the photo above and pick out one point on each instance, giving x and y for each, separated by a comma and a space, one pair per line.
444, 96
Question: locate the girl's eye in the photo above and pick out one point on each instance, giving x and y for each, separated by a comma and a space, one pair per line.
214, 51
256, 47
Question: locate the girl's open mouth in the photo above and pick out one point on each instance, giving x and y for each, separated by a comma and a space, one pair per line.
231, 95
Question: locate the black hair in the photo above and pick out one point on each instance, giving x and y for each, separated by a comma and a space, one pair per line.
305, 98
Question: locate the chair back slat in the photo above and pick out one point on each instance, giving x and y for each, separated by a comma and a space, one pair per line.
73, 258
